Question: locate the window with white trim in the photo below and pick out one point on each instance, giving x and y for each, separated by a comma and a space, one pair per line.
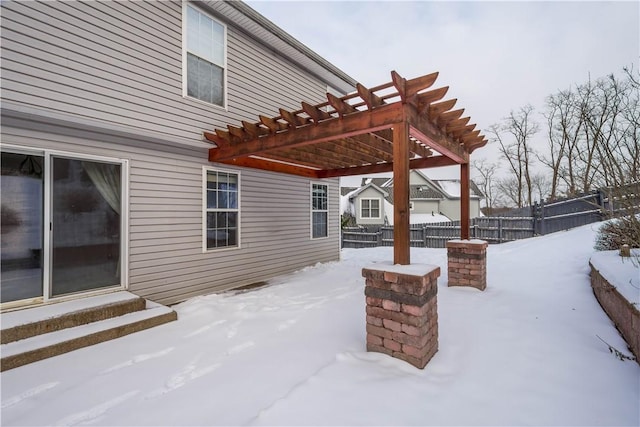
319, 211
370, 208
204, 57
222, 212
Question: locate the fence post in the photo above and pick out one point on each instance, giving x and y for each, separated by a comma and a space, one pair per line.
500, 230
542, 228
379, 238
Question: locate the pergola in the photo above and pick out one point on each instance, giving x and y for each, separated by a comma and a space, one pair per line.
397, 126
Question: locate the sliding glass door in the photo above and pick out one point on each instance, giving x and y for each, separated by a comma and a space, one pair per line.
70, 244
21, 226
85, 239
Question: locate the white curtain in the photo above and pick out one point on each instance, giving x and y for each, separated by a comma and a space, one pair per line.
106, 178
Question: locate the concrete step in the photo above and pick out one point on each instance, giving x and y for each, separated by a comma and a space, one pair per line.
45, 345
29, 322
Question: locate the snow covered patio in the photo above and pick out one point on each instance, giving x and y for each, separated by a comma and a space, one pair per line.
523, 352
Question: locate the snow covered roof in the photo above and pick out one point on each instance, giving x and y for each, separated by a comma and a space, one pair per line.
451, 187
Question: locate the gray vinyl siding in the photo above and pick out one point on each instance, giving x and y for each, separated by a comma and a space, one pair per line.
91, 72
369, 193
121, 62
166, 260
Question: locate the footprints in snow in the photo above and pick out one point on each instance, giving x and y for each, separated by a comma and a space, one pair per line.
27, 394
205, 328
137, 359
187, 374
97, 411
286, 325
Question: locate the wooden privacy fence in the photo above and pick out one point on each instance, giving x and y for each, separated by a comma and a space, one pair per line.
539, 219
436, 235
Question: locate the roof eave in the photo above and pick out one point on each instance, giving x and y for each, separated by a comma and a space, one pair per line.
261, 29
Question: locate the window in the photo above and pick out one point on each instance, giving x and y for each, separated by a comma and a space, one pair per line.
204, 57
370, 208
221, 210
319, 210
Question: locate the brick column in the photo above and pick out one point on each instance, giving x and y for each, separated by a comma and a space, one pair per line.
467, 263
402, 315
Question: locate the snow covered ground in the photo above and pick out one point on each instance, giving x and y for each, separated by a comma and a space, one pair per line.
524, 352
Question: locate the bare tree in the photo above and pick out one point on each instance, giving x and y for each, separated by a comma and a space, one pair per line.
563, 130
486, 182
514, 136
593, 135
541, 186
510, 190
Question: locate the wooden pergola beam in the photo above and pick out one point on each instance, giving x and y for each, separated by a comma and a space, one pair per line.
353, 124
370, 99
264, 164
438, 108
421, 163
307, 158
316, 114
423, 129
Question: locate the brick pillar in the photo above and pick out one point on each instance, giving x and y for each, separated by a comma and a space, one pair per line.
402, 314
467, 263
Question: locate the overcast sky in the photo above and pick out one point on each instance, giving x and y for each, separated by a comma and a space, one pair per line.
495, 56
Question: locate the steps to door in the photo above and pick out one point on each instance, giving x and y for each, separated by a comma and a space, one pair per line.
38, 333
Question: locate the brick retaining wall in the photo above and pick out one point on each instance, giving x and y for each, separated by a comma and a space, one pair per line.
624, 315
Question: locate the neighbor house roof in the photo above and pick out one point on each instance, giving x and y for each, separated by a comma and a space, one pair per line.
451, 187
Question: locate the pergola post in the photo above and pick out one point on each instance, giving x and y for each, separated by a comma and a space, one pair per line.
401, 232
464, 201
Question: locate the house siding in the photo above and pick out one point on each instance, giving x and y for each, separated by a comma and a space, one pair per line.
121, 62
451, 208
166, 260
425, 206
105, 78
369, 193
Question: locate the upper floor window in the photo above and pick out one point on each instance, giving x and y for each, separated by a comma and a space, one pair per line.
370, 208
204, 57
319, 211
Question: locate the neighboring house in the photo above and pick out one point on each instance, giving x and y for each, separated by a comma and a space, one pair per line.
105, 179
430, 200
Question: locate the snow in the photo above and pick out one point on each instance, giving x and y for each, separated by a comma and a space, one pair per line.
22, 317
411, 270
346, 205
427, 218
523, 352
471, 241
622, 273
450, 187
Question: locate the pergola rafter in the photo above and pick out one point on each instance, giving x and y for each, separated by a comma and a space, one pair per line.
397, 126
